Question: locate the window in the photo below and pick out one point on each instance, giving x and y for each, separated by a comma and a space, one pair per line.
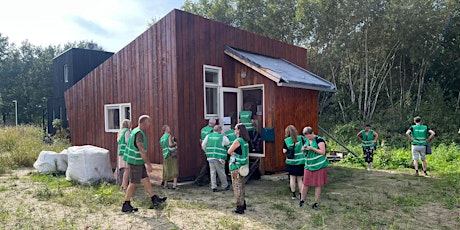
212, 82
115, 114
66, 73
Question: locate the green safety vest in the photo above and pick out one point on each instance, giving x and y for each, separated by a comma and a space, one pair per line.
242, 159
205, 131
122, 142
214, 147
367, 139
299, 157
164, 143
245, 119
231, 135
419, 133
132, 154
314, 161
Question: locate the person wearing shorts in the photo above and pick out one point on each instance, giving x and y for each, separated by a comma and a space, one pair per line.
418, 135
139, 164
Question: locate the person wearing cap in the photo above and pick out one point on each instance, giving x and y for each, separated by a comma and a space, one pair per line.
216, 154
205, 169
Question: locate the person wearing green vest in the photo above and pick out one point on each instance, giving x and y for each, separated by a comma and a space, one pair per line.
368, 139
202, 177
239, 156
418, 135
139, 164
122, 165
169, 150
315, 173
230, 134
214, 144
295, 163
246, 117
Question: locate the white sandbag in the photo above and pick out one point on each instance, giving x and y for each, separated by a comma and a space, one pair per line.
51, 162
88, 164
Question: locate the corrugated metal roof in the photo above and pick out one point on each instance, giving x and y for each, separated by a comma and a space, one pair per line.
281, 71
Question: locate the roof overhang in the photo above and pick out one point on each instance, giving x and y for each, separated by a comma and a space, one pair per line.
282, 72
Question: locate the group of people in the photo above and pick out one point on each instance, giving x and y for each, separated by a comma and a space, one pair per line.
306, 161
218, 147
307, 165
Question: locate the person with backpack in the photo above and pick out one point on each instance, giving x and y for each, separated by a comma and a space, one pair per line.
368, 139
295, 158
418, 135
315, 173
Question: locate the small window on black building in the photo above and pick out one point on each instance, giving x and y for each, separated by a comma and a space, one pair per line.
66, 73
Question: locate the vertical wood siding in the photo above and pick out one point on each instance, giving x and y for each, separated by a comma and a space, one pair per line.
161, 74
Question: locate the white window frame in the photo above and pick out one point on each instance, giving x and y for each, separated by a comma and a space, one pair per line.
66, 73
121, 108
216, 86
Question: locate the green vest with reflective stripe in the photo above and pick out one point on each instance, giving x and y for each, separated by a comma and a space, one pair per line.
245, 119
122, 142
419, 133
367, 139
242, 159
314, 161
231, 136
132, 154
299, 157
164, 143
205, 131
214, 147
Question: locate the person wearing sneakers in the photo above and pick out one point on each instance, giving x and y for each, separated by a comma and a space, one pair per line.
216, 154
315, 173
418, 134
139, 164
295, 163
170, 165
368, 139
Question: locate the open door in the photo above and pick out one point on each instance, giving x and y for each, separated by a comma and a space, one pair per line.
253, 95
230, 105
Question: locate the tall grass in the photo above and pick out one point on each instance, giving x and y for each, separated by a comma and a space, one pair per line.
445, 159
21, 145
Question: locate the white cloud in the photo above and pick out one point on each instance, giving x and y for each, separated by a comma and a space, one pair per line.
110, 23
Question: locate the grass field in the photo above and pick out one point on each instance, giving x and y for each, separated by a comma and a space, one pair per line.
388, 197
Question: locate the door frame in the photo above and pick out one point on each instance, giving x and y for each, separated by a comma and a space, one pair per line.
253, 87
239, 99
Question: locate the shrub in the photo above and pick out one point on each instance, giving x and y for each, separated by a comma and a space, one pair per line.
21, 145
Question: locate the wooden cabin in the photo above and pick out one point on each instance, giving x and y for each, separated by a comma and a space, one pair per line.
69, 68
186, 69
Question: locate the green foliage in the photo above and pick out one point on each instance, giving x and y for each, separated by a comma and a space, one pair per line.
21, 145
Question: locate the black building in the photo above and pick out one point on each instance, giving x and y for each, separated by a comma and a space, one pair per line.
69, 68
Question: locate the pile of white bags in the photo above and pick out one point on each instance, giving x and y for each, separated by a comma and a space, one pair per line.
83, 164
51, 162
88, 164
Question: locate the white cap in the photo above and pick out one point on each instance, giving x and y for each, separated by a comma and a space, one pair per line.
212, 121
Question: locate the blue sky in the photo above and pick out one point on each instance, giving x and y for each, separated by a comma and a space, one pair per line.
112, 24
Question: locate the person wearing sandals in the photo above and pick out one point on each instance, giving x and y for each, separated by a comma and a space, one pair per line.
214, 144
122, 166
315, 173
170, 166
139, 165
295, 163
239, 156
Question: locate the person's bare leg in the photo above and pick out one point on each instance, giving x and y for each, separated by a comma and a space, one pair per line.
147, 186
130, 191
124, 183
317, 193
